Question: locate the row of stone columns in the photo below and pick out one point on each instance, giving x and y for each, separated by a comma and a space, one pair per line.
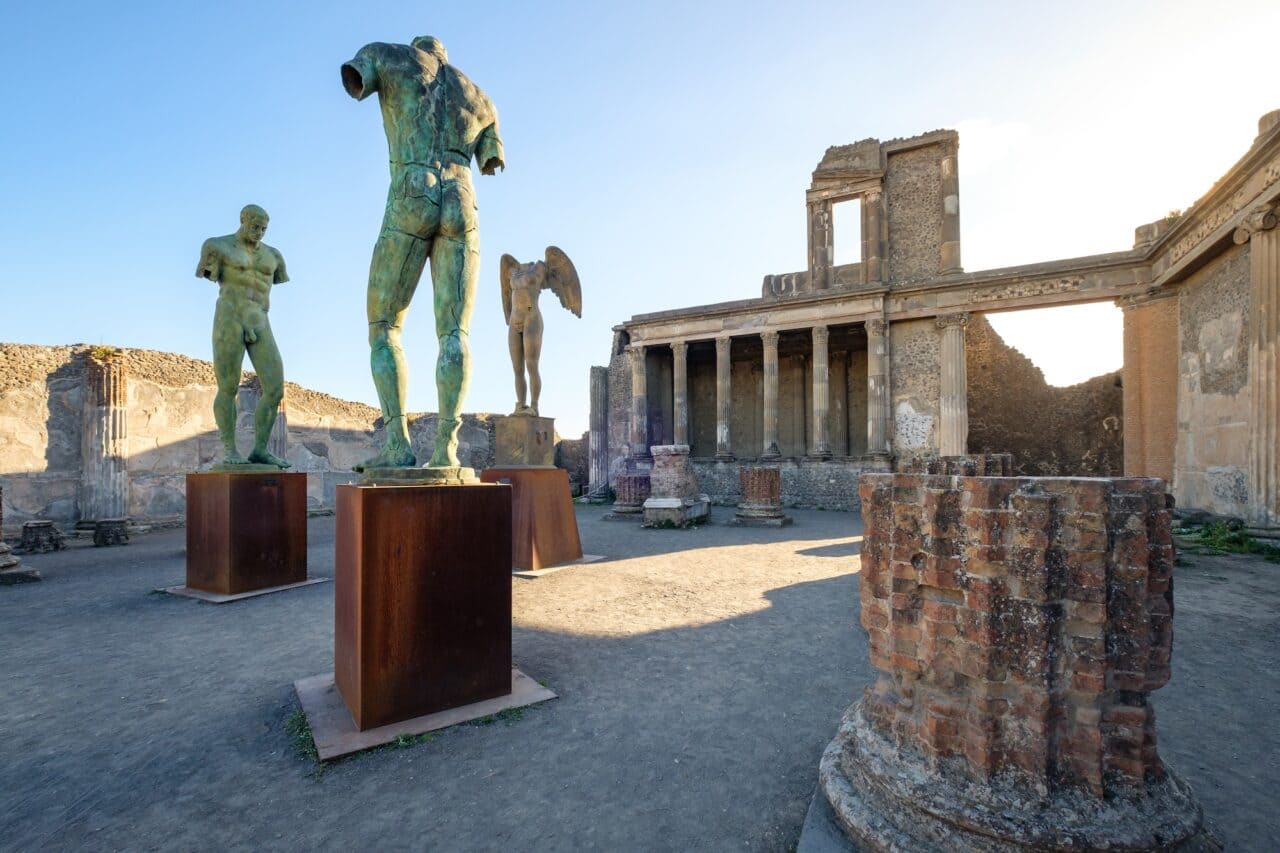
954, 406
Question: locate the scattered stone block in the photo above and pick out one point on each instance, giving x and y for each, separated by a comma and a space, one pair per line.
674, 499
630, 491
110, 531
40, 537
11, 570
761, 503
1019, 625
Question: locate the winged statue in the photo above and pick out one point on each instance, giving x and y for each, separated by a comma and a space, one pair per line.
521, 286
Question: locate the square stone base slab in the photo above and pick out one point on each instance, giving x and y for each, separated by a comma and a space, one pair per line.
219, 598
614, 515
13, 577
585, 558
748, 521
335, 733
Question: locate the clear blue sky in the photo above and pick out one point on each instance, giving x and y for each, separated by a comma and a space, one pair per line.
666, 147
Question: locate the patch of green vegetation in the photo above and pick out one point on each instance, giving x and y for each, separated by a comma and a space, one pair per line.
299, 732
406, 740
1226, 537
510, 715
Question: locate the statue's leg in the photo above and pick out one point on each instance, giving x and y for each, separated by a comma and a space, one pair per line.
532, 351
515, 343
228, 356
455, 265
398, 259
265, 356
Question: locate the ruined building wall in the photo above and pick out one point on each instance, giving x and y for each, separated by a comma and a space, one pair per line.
913, 192
1211, 460
915, 357
1072, 431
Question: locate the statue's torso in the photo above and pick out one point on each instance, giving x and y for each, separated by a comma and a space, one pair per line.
432, 113
246, 275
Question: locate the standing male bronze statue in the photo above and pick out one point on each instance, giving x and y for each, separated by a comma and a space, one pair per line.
436, 121
521, 286
245, 268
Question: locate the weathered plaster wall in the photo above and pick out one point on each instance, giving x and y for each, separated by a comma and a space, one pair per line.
915, 357
1065, 432
1211, 458
171, 432
913, 192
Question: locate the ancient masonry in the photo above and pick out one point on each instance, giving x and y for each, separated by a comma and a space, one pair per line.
1018, 626
836, 370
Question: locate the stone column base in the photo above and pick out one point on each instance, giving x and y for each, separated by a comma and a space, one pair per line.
761, 515
888, 798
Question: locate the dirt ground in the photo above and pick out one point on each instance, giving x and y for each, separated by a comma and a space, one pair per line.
700, 675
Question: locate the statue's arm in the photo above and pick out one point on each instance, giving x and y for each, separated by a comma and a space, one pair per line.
210, 265
489, 150
281, 274
360, 75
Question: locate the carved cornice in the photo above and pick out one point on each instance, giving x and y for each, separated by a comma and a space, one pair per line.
1261, 218
877, 327
960, 318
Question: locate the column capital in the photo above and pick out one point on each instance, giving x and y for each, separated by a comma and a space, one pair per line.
821, 334
723, 344
871, 196
877, 326
959, 318
769, 337
1264, 217
636, 349
1137, 300
679, 348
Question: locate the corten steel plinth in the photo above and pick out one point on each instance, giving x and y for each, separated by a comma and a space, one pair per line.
1019, 625
544, 528
422, 591
246, 531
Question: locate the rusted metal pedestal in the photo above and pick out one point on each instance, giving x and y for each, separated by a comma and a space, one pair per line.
246, 531
544, 529
422, 599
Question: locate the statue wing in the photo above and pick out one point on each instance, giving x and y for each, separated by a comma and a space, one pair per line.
507, 265
562, 279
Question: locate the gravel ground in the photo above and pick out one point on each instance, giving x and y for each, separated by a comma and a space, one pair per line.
700, 675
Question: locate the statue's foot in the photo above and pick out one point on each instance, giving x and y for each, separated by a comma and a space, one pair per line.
390, 457
444, 459
266, 457
233, 457
525, 411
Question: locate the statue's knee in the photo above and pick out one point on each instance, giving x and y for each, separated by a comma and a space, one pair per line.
271, 398
383, 335
453, 350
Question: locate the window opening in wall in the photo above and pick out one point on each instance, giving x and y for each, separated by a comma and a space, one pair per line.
846, 231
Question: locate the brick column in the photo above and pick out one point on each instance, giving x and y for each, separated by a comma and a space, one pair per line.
724, 401
680, 390
877, 387
639, 404
950, 259
1150, 376
770, 340
821, 447
953, 437
1019, 625
104, 482
599, 435
1259, 230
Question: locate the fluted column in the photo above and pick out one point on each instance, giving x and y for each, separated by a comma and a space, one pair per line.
821, 245
1259, 230
877, 387
821, 446
599, 435
872, 245
104, 482
953, 437
724, 401
950, 260
680, 391
639, 404
770, 340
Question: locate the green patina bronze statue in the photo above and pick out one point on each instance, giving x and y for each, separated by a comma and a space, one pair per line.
521, 286
245, 269
436, 121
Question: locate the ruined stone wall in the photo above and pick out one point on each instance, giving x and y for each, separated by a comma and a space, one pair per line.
1072, 431
806, 483
915, 357
1211, 460
913, 192
171, 432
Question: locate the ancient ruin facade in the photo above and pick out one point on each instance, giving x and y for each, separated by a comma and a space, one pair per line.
838, 369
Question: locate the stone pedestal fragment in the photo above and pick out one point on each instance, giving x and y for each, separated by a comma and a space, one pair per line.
598, 450
630, 491
1018, 625
422, 599
544, 528
525, 440
40, 537
246, 532
110, 531
761, 502
104, 481
674, 499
